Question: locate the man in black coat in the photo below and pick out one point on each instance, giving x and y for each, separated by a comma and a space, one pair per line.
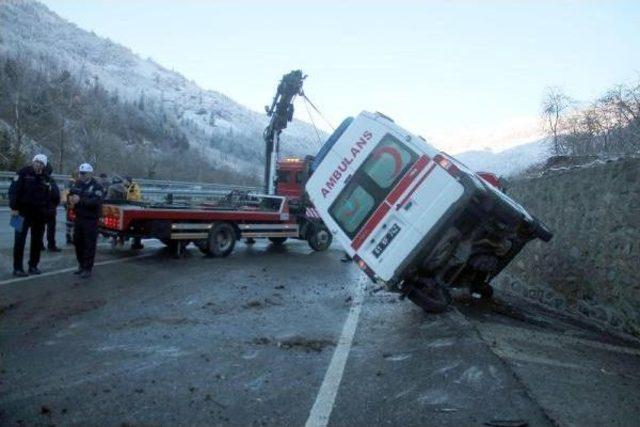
52, 211
85, 198
29, 197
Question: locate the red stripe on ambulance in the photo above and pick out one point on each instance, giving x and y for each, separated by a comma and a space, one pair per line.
395, 194
407, 179
371, 224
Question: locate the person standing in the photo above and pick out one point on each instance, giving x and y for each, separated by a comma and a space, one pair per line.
64, 196
52, 211
103, 180
133, 195
29, 197
85, 197
133, 190
116, 191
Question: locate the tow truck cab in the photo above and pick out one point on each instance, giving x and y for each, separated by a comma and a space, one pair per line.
292, 174
411, 216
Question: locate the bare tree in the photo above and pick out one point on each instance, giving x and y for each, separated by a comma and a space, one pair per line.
623, 108
554, 106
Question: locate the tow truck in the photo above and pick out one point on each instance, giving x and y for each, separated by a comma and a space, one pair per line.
280, 213
413, 218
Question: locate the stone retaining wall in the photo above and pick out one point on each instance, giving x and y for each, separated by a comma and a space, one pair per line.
592, 265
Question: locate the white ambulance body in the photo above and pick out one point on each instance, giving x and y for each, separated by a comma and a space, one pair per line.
411, 216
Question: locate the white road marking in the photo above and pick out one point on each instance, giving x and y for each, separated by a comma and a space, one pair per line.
67, 270
321, 411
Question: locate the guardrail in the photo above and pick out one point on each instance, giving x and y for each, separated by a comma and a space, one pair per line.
152, 189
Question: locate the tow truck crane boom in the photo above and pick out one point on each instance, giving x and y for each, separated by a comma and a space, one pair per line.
281, 113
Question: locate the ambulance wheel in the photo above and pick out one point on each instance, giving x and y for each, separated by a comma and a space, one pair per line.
278, 240
319, 239
222, 239
430, 296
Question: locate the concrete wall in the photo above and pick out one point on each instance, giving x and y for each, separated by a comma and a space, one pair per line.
592, 265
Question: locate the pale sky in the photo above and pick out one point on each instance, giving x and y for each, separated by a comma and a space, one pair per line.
465, 74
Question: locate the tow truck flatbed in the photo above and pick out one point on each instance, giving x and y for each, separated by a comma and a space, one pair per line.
214, 227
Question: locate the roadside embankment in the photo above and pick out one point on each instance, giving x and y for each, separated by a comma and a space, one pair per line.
592, 265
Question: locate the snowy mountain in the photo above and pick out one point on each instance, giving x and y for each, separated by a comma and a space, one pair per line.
30, 30
507, 162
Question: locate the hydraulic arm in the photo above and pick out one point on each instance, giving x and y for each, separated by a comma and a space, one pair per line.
281, 113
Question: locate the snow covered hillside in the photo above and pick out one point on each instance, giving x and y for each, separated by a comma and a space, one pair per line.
30, 30
507, 162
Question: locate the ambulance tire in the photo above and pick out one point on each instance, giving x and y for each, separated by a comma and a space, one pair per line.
430, 296
277, 240
222, 239
319, 238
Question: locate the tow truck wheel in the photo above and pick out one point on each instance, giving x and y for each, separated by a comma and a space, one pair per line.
430, 296
278, 240
222, 239
320, 239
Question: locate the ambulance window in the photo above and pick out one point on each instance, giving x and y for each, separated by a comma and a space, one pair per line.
388, 162
352, 208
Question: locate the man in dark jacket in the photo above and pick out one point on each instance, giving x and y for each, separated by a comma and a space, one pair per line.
52, 211
85, 198
29, 196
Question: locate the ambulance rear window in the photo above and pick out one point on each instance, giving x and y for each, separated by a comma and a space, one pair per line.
388, 162
352, 208
371, 183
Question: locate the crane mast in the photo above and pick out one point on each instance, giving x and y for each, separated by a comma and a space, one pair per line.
281, 113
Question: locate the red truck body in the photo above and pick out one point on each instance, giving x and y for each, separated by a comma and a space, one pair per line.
238, 214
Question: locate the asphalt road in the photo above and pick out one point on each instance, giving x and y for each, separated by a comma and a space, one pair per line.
287, 336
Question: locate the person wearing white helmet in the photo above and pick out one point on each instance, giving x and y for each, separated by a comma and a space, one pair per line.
29, 198
85, 197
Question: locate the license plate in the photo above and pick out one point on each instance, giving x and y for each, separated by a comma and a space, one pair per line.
388, 238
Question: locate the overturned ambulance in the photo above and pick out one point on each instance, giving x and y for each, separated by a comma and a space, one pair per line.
412, 217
